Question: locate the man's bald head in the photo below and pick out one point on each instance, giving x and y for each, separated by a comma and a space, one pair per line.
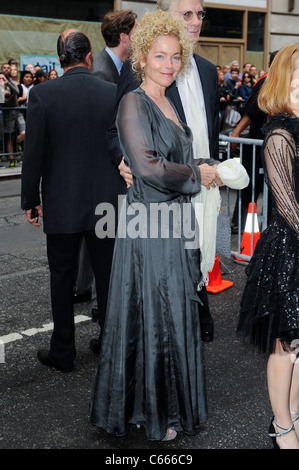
73, 47
65, 33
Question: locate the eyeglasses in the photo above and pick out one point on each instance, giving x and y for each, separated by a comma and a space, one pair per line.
188, 15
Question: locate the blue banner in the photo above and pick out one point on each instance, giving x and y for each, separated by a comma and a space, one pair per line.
46, 62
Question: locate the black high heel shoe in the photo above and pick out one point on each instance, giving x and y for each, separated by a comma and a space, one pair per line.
273, 434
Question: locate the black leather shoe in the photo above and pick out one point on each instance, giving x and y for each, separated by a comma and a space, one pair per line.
207, 336
95, 345
43, 357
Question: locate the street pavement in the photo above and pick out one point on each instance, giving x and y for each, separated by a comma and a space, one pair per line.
41, 408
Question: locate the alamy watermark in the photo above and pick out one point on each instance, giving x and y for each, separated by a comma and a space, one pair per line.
151, 220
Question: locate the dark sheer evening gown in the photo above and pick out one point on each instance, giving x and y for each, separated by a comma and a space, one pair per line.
150, 368
270, 302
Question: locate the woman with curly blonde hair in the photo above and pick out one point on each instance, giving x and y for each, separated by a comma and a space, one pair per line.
151, 370
160, 24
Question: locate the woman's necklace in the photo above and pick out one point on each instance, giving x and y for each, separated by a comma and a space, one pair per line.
164, 106
156, 99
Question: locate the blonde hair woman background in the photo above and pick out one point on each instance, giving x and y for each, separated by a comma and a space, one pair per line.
270, 304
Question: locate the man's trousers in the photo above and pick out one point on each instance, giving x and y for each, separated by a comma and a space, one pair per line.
63, 252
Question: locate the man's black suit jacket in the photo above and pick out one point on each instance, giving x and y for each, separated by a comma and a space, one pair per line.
105, 68
65, 149
209, 79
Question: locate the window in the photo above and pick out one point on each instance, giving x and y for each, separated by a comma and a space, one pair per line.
90, 10
220, 23
255, 37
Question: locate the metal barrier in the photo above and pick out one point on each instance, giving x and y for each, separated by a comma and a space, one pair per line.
12, 127
224, 143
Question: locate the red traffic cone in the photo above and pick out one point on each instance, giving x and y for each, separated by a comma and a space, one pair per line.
216, 284
246, 240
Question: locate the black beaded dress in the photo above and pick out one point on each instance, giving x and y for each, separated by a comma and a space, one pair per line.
150, 368
270, 301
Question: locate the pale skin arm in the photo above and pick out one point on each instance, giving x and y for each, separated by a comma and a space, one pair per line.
21, 136
125, 172
243, 124
209, 174
4, 80
217, 180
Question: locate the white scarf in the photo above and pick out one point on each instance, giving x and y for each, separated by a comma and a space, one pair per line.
207, 204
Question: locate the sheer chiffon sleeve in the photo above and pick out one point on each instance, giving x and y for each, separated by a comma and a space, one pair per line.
135, 128
279, 154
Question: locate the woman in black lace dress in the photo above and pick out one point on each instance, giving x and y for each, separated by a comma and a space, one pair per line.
269, 315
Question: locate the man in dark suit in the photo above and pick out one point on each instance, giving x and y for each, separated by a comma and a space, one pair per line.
117, 28
65, 150
205, 130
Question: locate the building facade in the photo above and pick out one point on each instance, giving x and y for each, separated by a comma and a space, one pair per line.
32, 27
243, 30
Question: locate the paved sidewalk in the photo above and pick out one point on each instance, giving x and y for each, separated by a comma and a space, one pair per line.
6, 171
44, 409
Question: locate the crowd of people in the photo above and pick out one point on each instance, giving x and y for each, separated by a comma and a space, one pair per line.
16, 86
235, 87
150, 132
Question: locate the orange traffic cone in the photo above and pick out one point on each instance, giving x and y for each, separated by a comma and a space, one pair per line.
216, 284
246, 240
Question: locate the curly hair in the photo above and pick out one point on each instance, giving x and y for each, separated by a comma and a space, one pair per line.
153, 25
